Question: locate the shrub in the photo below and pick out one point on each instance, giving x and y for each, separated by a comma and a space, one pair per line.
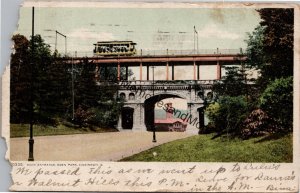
277, 102
258, 123
228, 114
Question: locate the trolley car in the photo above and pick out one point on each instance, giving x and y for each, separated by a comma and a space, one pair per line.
115, 48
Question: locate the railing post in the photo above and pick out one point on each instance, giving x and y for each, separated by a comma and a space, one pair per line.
218, 70
194, 70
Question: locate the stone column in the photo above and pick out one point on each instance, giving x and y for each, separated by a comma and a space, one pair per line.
193, 122
138, 117
119, 126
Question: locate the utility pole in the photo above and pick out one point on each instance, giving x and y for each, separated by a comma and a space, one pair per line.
31, 140
73, 101
57, 32
153, 125
195, 32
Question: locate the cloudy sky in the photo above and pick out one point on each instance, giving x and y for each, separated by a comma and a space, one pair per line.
150, 28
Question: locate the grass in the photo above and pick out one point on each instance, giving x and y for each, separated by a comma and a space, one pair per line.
22, 130
202, 148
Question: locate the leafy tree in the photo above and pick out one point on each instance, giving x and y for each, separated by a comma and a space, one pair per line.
277, 101
278, 41
233, 83
270, 45
20, 70
256, 58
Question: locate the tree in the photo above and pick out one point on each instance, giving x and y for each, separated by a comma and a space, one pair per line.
278, 41
233, 83
256, 58
49, 82
20, 70
270, 46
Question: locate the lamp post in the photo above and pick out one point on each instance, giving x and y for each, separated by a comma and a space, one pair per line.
31, 140
56, 32
153, 125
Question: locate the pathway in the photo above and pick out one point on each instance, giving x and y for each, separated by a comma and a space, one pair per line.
89, 147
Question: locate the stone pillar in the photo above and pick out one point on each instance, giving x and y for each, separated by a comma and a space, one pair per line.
119, 126
193, 121
138, 118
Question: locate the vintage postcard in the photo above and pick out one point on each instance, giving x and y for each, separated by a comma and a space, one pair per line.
169, 97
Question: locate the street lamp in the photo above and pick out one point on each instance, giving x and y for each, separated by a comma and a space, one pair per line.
153, 125
31, 140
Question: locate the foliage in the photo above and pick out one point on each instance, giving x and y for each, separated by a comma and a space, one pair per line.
228, 114
277, 101
258, 123
20, 69
256, 58
270, 46
202, 148
51, 87
233, 83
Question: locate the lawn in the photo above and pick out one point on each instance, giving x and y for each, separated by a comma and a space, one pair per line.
202, 148
22, 130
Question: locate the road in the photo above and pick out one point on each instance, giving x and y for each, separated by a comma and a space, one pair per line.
89, 147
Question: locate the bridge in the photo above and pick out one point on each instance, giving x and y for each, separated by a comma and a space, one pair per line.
140, 96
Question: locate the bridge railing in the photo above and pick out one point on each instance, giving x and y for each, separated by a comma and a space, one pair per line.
188, 52
165, 82
166, 52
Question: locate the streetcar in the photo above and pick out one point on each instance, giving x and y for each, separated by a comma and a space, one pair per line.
114, 48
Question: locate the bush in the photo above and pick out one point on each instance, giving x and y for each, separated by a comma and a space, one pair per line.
277, 102
228, 114
258, 123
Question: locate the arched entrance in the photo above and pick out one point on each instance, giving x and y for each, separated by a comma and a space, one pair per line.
149, 108
201, 117
127, 117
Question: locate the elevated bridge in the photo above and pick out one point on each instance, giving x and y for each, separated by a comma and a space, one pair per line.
140, 96
169, 61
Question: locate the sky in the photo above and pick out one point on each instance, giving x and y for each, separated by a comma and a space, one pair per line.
151, 27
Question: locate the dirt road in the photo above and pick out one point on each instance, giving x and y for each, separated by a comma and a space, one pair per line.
89, 147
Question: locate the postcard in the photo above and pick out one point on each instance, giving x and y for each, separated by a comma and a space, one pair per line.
142, 97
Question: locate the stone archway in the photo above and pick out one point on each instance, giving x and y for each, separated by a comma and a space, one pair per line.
149, 108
